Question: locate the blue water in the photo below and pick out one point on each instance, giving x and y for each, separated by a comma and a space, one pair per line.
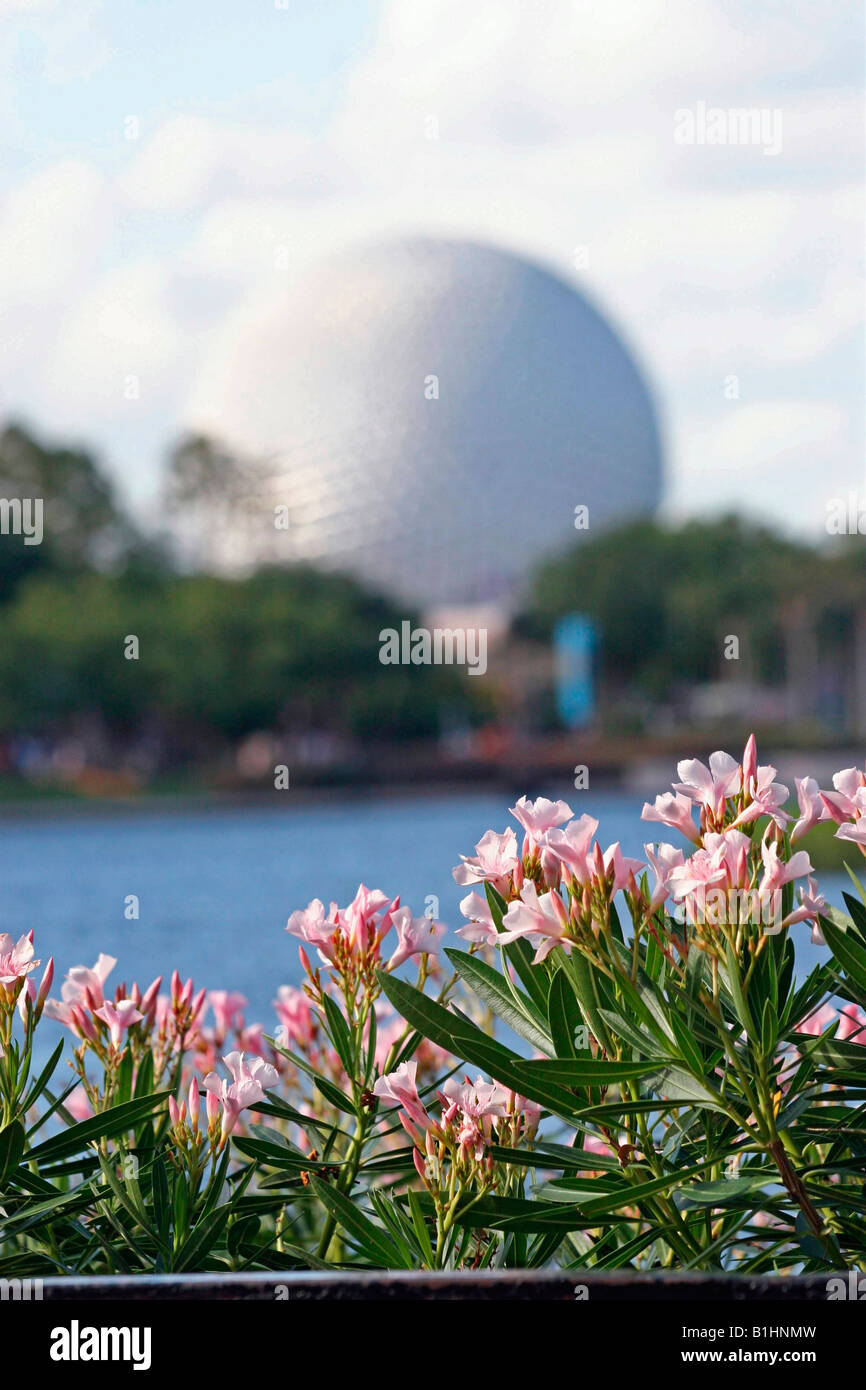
215, 887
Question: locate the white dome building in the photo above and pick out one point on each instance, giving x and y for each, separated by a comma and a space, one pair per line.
432, 413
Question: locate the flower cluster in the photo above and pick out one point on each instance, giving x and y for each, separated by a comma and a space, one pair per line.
17, 962
846, 805
225, 1030
451, 1154
558, 885
349, 940
250, 1078
163, 1025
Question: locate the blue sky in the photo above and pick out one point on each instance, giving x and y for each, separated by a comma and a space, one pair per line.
68, 73
265, 136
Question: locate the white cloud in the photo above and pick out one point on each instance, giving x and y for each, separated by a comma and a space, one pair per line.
543, 126
52, 229
744, 458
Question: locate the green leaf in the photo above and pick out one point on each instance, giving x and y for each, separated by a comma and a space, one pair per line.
585, 1071
581, 978
161, 1199
674, 1084
461, 1037
689, 1050
564, 1016
421, 1230
857, 909
846, 949
202, 1239
519, 954
627, 1193
735, 987
725, 1192
519, 1214
518, 1013
333, 1095
339, 1034
43, 1079
769, 1029
11, 1148
638, 1038
371, 1241
278, 1156
106, 1125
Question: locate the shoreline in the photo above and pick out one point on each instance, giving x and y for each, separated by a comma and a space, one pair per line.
640, 775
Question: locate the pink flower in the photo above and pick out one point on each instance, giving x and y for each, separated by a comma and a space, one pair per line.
476, 1098
674, 810
356, 931
119, 1017
400, 1088
78, 1104
228, 1007
618, 868
36, 998
79, 981
296, 1015
812, 906
842, 802
311, 925
855, 832
16, 963
542, 919
472, 1106
358, 921
779, 871
713, 785
812, 808
822, 1018
416, 936
768, 799
662, 862
482, 928
852, 1022
193, 1103
750, 760
495, 859
247, 1087
571, 846
721, 865
82, 986
537, 817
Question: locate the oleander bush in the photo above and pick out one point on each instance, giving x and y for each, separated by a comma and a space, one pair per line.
614, 1066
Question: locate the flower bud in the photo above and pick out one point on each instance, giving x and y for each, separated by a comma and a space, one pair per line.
750, 762
194, 1102
197, 1005
45, 985
148, 1002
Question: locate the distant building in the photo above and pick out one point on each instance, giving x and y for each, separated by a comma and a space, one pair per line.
433, 413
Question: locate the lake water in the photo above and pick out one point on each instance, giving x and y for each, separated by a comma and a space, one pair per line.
215, 887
